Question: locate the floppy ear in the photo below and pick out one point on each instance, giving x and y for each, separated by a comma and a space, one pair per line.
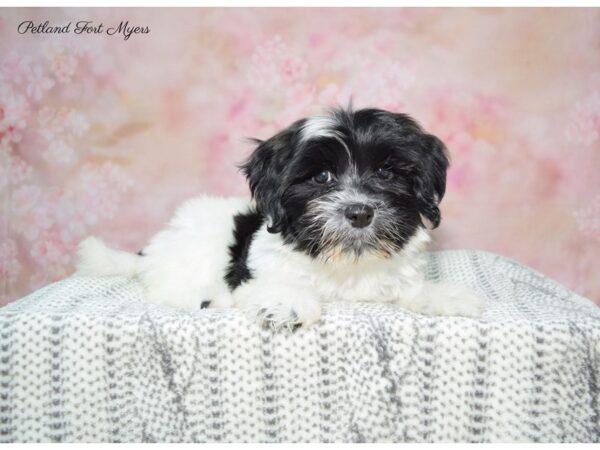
430, 182
264, 171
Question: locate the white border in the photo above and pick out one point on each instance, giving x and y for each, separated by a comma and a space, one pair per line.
300, 3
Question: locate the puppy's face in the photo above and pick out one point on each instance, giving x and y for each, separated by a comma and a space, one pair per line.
349, 183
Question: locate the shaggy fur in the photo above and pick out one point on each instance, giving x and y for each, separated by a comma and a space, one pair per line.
338, 212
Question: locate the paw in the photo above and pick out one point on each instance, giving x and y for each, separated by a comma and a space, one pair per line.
450, 300
278, 309
287, 320
465, 305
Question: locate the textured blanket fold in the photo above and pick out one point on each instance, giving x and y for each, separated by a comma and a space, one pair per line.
86, 360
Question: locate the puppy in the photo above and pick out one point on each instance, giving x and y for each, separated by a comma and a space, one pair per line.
338, 212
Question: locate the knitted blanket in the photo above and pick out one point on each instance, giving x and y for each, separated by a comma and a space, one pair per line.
85, 360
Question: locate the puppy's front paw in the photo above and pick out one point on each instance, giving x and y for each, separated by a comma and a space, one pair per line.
278, 309
284, 315
279, 318
467, 304
450, 300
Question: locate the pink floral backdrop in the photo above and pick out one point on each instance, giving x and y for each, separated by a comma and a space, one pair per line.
102, 135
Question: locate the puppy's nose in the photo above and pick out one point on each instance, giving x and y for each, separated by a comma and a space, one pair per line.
359, 215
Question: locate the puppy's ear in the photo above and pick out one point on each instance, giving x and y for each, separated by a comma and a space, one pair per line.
265, 171
430, 181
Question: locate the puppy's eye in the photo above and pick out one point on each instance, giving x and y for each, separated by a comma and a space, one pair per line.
323, 177
384, 173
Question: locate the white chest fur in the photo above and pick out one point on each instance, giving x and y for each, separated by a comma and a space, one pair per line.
370, 278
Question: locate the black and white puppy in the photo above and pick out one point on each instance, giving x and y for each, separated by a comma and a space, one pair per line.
338, 212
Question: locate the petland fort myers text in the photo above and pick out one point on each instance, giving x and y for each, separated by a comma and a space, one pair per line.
82, 27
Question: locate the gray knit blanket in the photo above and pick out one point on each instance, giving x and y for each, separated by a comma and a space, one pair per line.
86, 360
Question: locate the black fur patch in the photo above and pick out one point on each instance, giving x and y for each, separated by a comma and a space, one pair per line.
205, 304
245, 226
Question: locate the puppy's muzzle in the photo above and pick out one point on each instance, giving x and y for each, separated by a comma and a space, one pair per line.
359, 215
